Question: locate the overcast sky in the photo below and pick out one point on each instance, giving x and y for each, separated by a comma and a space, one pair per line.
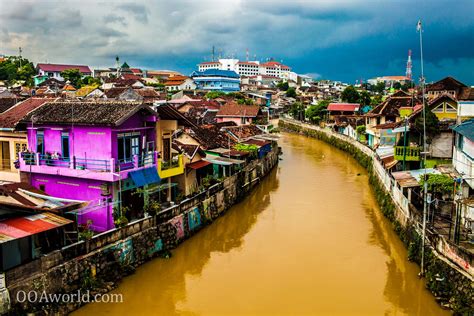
331, 39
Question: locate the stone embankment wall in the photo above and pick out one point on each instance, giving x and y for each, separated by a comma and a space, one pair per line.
448, 272
96, 265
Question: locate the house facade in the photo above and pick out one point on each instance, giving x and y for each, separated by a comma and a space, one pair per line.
178, 83
463, 162
238, 113
217, 80
54, 70
94, 152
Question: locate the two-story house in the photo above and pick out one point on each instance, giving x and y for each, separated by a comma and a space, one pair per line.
100, 152
463, 162
54, 70
380, 120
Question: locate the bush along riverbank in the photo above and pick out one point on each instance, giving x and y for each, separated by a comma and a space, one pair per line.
96, 266
451, 287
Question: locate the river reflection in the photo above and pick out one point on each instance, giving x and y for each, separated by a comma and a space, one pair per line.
309, 240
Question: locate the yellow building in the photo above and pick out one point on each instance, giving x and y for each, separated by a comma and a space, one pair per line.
445, 107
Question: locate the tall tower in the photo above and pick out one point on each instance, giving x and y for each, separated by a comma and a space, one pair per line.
247, 55
408, 71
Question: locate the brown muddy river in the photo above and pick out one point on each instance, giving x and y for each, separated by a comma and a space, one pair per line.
309, 240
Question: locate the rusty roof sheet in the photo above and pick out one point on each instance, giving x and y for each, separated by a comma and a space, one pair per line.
20, 227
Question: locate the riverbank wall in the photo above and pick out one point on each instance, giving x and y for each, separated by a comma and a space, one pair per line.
448, 271
97, 265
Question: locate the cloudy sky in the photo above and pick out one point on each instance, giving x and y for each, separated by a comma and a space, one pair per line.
333, 39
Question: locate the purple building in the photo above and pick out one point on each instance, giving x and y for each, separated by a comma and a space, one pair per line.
100, 152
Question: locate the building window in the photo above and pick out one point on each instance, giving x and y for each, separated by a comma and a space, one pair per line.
4, 155
438, 109
460, 142
128, 145
40, 142
65, 145
450, 108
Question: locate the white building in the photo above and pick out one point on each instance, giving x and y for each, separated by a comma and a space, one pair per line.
249, 68
54, 70
463, 162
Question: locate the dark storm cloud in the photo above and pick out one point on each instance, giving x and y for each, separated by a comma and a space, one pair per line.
337, 39
140, 12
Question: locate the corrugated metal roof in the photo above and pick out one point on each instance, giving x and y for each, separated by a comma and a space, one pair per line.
20, 227
466, 129
198, 164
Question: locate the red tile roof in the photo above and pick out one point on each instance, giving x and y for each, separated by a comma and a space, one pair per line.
14, 115
238, 110
59, 68
130, 77
350, 107
275, 64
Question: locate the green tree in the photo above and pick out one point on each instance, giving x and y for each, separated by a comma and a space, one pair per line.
432, 125
376, 100
291, 92
406, 86
90, 81
214, 94
438, 183
297, 110
397, 85
364, 98
315, 113
379, 87
350, 95
15, 69
74, 76
283, 85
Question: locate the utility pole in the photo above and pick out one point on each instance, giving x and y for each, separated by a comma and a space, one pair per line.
425, 186
405, 143
20, 51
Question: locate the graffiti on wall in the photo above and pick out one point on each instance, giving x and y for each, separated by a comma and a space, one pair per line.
206, 210
157, 246
177, 222
123, 252
387, 137
194, 218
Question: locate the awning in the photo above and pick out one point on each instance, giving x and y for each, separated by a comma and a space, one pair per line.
161, 187
145, 176
19, 227
198, 164
401, 129
224, 161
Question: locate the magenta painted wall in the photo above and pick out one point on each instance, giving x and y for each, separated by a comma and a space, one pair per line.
79, 189
90, 142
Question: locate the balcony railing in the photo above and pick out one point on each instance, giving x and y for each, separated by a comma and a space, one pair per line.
173, 167
97, 165
407, 153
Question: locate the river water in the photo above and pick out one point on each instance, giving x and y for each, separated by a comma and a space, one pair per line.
309, 240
